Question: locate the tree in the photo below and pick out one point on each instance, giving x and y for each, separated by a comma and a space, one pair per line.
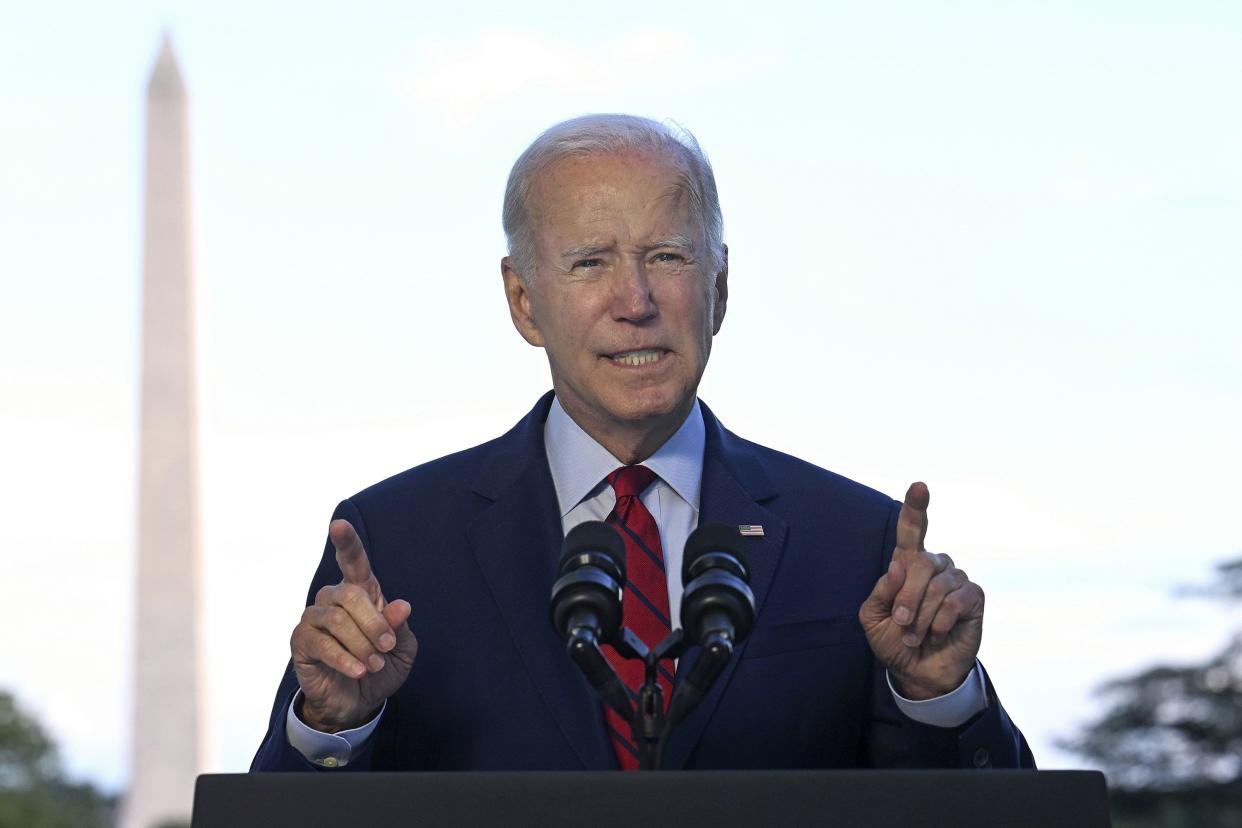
33, 789
1171, 738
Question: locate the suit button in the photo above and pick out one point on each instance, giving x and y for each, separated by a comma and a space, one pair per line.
981, 759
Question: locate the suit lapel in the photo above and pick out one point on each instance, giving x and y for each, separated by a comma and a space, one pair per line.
516, 541
734, 486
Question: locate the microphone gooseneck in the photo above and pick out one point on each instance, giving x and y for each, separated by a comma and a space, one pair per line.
717, 613
717, 609
586, 605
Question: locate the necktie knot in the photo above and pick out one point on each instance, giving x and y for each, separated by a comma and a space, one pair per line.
630, 481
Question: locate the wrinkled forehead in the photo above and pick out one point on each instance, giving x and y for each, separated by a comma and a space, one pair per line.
578, 188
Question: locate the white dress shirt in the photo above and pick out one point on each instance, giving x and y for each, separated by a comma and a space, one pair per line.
579, 465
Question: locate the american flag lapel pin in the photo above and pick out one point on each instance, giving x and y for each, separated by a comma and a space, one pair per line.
751, 530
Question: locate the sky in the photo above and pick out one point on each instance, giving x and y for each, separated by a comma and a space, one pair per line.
992, 246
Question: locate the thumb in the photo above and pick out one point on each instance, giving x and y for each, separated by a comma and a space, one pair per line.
397, 614
879, 603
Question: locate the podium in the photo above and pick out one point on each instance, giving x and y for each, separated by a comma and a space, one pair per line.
720, 799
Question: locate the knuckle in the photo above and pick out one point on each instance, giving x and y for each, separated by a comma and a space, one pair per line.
297, 638
954, 603
335, 617
318, 646
324, 595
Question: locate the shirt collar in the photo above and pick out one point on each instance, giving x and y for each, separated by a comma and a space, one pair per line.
579, 463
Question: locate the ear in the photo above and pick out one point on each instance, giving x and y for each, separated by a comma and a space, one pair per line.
722, 294
518, 295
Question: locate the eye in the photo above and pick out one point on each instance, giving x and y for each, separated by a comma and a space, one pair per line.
587, 263
669, 258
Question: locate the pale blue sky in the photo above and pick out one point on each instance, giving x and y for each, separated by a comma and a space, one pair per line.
994, 246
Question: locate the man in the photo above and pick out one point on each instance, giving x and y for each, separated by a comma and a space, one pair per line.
864, 645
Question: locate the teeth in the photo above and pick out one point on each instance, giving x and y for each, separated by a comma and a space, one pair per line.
637, 357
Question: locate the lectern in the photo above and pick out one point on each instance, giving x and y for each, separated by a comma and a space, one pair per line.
714, 799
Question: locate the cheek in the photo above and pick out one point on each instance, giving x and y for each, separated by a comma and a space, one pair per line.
567, 328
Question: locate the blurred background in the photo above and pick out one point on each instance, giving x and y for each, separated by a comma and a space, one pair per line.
993, 246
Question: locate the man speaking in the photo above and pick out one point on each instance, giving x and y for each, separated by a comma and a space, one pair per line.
427, 644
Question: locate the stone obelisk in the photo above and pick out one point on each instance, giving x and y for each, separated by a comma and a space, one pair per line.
166, 686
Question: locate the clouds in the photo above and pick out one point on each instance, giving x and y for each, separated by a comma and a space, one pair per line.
459, 79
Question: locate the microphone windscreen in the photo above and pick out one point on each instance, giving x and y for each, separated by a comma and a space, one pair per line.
713, 537
593, 536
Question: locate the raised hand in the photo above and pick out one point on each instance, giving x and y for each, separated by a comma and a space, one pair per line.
352, 649
924, 619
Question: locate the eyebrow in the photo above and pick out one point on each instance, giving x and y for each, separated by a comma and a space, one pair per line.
677, 241
585, 251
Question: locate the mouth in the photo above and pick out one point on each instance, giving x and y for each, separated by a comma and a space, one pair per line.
646, 356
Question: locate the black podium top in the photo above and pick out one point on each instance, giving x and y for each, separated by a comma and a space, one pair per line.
721, 799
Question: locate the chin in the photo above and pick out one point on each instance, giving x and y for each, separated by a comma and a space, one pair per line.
641, 407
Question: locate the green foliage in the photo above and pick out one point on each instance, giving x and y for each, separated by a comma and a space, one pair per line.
1171, 728
1201, 806
1171, 738
33, 790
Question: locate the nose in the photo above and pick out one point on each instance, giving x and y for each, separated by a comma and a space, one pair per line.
632, 298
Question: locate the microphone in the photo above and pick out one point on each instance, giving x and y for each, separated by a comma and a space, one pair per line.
717, 605
717, 608
586, 605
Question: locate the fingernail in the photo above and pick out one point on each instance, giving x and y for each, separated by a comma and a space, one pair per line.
910, 640
376, 662
387, 642
902, 616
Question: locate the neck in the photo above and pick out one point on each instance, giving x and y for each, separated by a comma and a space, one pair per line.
632, 441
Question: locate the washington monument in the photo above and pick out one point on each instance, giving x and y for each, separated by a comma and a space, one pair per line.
166, 686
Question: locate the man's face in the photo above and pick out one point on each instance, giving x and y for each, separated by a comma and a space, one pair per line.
621, 299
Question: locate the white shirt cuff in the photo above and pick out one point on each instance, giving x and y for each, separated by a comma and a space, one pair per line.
950, 710
328, 750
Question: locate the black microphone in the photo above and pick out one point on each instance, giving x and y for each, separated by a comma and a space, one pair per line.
717, 605
717, 608
586, 605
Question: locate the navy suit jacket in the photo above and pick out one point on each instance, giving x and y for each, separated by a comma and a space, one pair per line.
472, 541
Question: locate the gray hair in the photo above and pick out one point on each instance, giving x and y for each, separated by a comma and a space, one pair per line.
590, 134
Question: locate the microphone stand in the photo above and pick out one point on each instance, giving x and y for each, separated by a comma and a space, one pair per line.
720, 613
650, 724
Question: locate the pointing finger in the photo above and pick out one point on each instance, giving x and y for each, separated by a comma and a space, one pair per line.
351, 557
912, 522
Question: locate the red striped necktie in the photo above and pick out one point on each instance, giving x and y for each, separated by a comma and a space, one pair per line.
645, 605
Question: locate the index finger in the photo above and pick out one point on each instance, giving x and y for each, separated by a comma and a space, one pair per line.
351, 557
912, 522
